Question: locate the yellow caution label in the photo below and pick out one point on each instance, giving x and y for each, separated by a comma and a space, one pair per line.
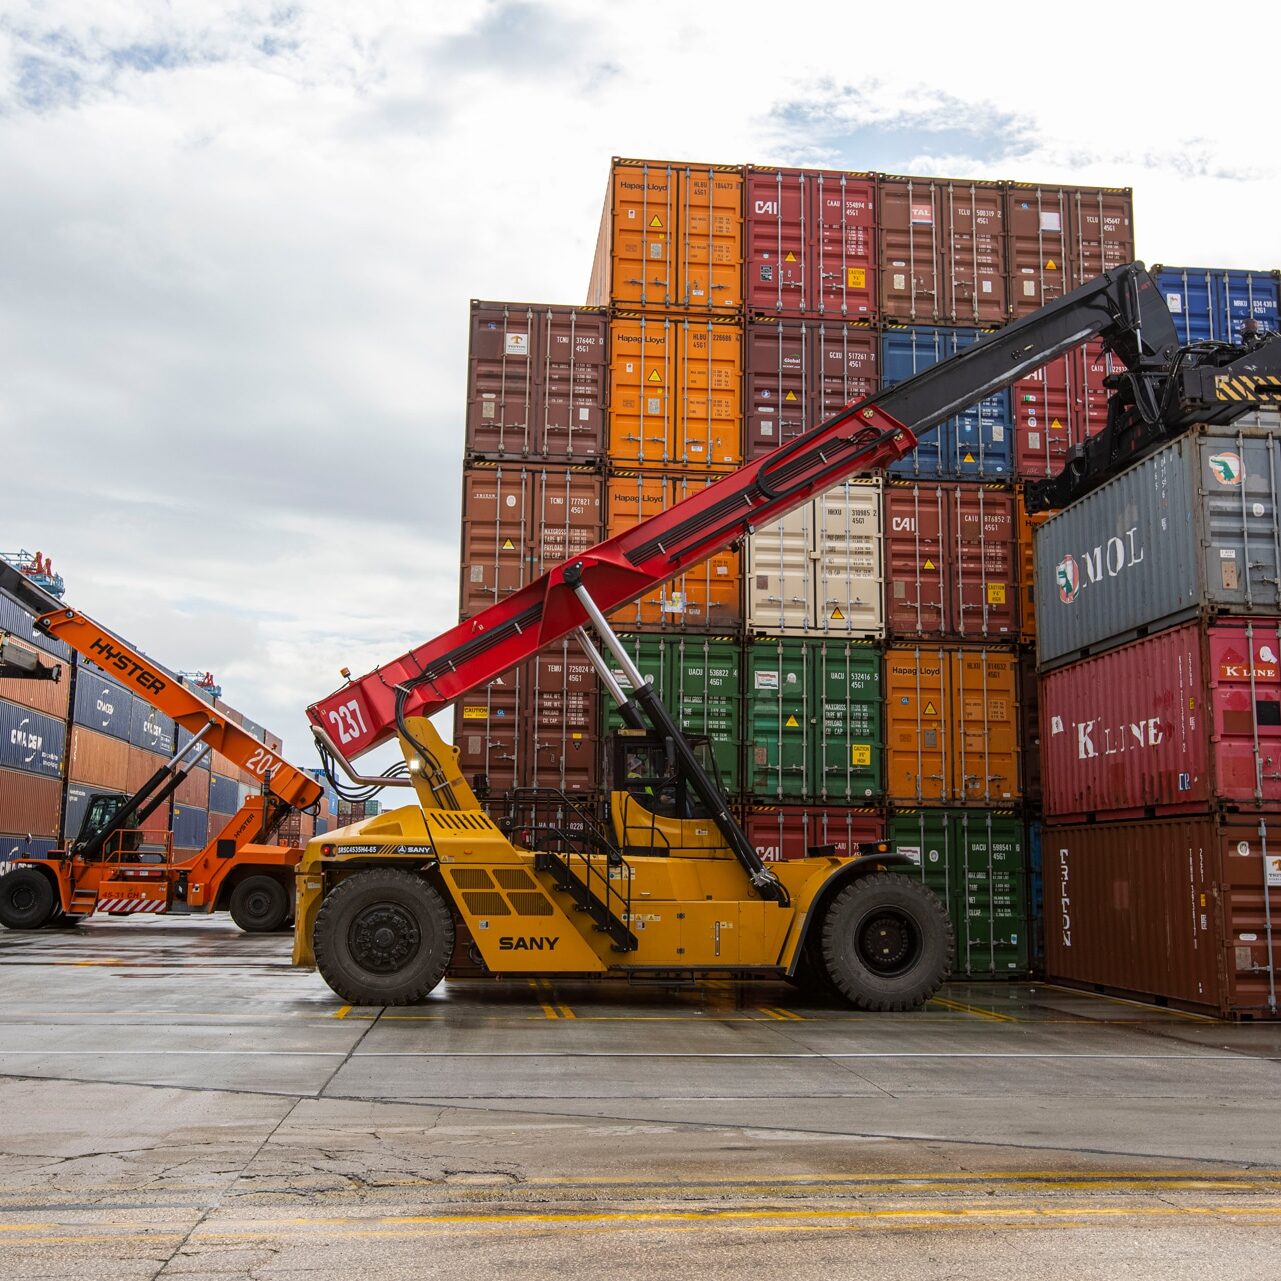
475, 713
931, 710
855, 278
508, 545
969, 458
576, 736
929, 564
791, 257
792, 723
791, 395
1055, 425
837, 616
860, 753
996, 593
654, 376
656, 222
1051, 265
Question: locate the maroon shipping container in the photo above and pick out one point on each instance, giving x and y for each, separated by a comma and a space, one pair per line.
29, 804
1173, 723
487, 732
951, 562
519, 521
942, 251
1057, 407
810, 243
536, 382
1060, 237
785, 832
801, 372
1181, 909
98, 759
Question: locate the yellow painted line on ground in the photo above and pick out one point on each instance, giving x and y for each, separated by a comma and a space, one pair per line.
977, 1011
342, 1012
548, 1011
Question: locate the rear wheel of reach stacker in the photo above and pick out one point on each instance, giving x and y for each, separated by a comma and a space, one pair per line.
383, 937
886, 942
27, 900
259, 904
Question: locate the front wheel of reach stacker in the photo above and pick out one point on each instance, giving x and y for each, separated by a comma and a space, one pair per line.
383, 937
887, 942
259, 904
27, 900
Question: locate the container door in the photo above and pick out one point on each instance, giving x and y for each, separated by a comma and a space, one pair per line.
1102, 230
561, 747
569, 514
704, 677
848, 591
496, 534
1036, 220
846, 367
985, 721
500, 379
489, 734
1248, 295
848, 698
629, 499
573, 366
926, 837
1249, 893
777, 386
842, 246
650, 654
708, 398
1189, 294
781, 717
918, 745
642, 379
708, 595
1244, 673
639, 227
973, 254
710, 243
780, 575
775, 233
1045, 425
982, 533
911, 217
904, 352
992, 923
917, 573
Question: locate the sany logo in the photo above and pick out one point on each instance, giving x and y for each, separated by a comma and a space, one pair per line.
1226, 468
1068, 576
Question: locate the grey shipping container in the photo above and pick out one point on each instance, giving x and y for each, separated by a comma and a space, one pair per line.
149, 729
31, 741
101, 704
1192, 529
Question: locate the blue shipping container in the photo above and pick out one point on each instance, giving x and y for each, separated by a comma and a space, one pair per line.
101, 704
190, 827
12, 847
183, 738
1212, 303
975, 445
149, 729
31, 741
224, 794
18, 621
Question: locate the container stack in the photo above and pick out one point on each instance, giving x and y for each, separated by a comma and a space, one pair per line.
63, 742
1159, 636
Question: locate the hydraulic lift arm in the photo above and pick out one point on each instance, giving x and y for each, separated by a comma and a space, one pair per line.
1122, 307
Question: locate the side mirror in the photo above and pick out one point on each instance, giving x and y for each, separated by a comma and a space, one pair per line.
669, 754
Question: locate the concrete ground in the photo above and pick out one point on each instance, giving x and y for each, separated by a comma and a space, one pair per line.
176, 1101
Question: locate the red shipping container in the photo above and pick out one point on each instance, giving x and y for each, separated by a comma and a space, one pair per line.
810, 243
782, 833
536, 379
942, 251
951, 562
1179, 909
801, 372
1173, 723
1057, 408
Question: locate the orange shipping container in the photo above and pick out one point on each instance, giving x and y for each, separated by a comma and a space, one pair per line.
952, 726
675, 392
29, 804
98, 759
141, 766
50, 697
1027, 569
671, 238
706, 597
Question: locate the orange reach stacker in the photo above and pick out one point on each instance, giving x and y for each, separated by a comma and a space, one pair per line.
114, 866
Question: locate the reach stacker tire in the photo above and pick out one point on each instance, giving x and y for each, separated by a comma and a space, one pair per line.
27, 900
887, 943
383, 937
260, 905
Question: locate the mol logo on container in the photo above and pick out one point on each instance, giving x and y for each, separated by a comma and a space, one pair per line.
1226, 468
1107, 560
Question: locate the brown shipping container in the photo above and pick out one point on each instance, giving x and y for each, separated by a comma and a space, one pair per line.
706, 597
801, 372
487, 732
140, 767
942, 251
952, 726
782, 833
951, 562
98, 759
810, 239
519, 521
675, 392
1058, 407
50, 697
536, 381
29, 804
1060, 237
1178, 909
671, 238
194, 790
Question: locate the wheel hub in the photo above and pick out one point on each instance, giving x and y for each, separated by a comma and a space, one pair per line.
887, 942
383, 937
23, 898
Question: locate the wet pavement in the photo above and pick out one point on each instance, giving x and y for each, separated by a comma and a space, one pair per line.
178, 1101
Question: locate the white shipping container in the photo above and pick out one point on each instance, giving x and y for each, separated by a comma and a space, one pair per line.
818, 571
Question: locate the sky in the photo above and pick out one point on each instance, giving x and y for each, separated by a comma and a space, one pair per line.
239, 244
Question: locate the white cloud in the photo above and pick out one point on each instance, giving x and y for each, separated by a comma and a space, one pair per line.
240, 245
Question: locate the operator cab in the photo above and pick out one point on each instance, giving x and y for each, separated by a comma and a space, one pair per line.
102, 811
645, 766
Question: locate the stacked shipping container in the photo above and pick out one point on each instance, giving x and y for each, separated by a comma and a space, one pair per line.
61, 742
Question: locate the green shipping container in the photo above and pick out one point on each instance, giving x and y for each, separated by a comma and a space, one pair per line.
698, 678
974, 861
814, 716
